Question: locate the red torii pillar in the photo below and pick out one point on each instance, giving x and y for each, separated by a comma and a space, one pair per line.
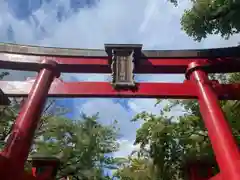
16, 151
223, 143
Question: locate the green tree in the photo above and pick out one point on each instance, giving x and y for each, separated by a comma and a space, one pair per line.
206, 17
9, 113
211, 17
82, 146
168, 142
136, 168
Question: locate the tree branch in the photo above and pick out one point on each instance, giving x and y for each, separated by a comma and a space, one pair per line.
221, 13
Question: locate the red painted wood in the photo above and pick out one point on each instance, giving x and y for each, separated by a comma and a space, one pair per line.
216, 177
224, 145
102, 89
185, 90
100, 64
20, 140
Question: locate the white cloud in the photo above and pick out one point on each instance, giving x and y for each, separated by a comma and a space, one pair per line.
126, 147
151, 22
109, 112
154, 23
139, 105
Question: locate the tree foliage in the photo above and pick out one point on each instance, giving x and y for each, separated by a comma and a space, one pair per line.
136, 168
211, 17
82, 146
168, 142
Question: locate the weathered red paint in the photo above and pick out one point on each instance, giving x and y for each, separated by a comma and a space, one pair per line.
20, 140
223, 143
101, 65
104, 89
185, 90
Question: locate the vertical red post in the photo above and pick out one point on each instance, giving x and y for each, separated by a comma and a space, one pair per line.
20, 141
222, 140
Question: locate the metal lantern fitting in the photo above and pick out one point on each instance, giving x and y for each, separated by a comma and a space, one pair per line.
122, 58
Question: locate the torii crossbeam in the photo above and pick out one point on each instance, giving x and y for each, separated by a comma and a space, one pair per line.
121, 61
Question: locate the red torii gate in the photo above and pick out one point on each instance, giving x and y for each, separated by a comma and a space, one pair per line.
50, 62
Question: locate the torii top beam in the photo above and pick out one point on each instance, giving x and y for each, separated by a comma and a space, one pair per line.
29, 58
25, 57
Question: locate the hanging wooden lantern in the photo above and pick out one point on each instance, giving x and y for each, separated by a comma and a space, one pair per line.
122, 58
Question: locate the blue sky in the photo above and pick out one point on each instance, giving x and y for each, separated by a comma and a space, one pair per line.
91, 24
